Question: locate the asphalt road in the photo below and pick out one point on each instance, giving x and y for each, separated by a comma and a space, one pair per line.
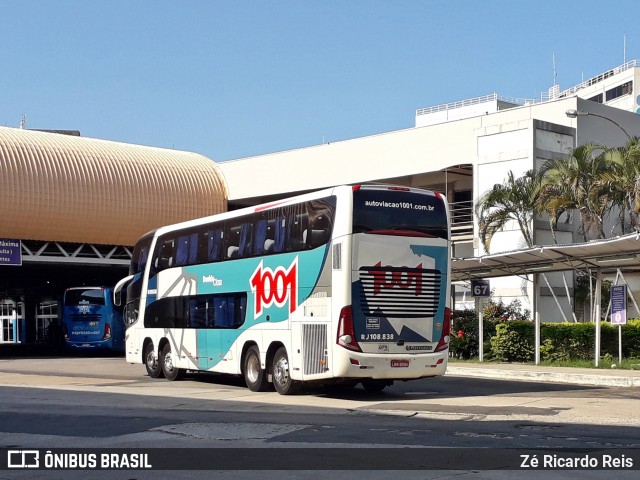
103, 403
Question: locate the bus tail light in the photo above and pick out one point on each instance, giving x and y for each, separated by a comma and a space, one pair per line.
65, 331
107, 331
346, 333
443, 344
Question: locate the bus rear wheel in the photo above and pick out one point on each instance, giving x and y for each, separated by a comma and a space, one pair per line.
167, 361
282, 380
151, 361
254, 375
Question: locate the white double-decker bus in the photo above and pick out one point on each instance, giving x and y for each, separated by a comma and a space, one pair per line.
343, 286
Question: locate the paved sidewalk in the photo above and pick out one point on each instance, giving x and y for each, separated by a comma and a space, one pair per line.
538, 373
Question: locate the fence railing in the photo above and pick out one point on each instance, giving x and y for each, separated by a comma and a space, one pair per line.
593, 80
473, 101
461, 219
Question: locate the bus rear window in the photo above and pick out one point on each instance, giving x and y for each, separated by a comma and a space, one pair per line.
404, 212
89, 296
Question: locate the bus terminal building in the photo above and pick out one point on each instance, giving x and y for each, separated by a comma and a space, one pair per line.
75, 206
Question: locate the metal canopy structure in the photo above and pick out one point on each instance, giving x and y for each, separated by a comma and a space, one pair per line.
601, 256
608, 255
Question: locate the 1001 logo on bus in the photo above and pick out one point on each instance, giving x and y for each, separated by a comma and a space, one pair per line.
275, 287
410, 279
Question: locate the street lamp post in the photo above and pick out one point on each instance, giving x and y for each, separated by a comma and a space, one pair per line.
572, 113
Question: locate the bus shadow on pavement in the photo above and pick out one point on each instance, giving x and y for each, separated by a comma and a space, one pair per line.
430, 388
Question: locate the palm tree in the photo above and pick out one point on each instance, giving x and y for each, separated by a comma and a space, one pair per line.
582, 182
626, 188
513, 200
516, 199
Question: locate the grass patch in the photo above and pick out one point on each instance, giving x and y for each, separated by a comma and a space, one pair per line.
605, 363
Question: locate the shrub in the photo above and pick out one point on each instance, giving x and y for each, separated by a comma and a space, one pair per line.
464, 334
567, 341
514, 342
631, 339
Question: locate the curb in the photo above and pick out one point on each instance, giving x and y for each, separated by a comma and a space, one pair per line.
542, 376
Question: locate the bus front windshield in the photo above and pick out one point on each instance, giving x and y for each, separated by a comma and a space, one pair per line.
399, 212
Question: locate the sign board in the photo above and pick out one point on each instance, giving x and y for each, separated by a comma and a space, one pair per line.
10, 252
480, 288
618, 305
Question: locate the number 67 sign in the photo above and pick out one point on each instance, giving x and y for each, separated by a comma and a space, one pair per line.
480, 288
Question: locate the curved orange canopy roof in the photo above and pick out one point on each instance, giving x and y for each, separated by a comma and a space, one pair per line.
66, 188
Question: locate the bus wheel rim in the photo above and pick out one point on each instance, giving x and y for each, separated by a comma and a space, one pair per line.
253, 369
168, 362
280, 372
151, 361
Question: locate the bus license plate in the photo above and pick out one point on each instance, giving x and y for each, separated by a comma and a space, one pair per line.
399, 363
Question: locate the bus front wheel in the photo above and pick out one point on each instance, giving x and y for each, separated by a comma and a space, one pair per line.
282, 380
254, 375
167, 361
151, 362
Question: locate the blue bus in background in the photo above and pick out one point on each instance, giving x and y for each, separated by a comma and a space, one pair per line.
91, 321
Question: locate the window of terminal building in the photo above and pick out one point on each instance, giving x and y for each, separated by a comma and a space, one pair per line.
597, 98
619, 91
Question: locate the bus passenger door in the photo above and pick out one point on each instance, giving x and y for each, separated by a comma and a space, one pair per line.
219, 329
230, 315
200, 318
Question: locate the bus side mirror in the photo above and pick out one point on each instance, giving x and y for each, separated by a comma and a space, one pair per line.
117, 298
117, 290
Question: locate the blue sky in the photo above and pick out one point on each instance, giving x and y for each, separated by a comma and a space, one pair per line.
231, 79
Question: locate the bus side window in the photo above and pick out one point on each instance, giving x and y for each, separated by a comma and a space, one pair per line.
241, 310
233, 242
187, 249
211, 313
319, 231
227, 311
279, 234
210, 248
298, 232
139, 261
244, 247
198, 313
223, 312
260, 237
238, 237
193, 249
144, 254
165, 258
182, 250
